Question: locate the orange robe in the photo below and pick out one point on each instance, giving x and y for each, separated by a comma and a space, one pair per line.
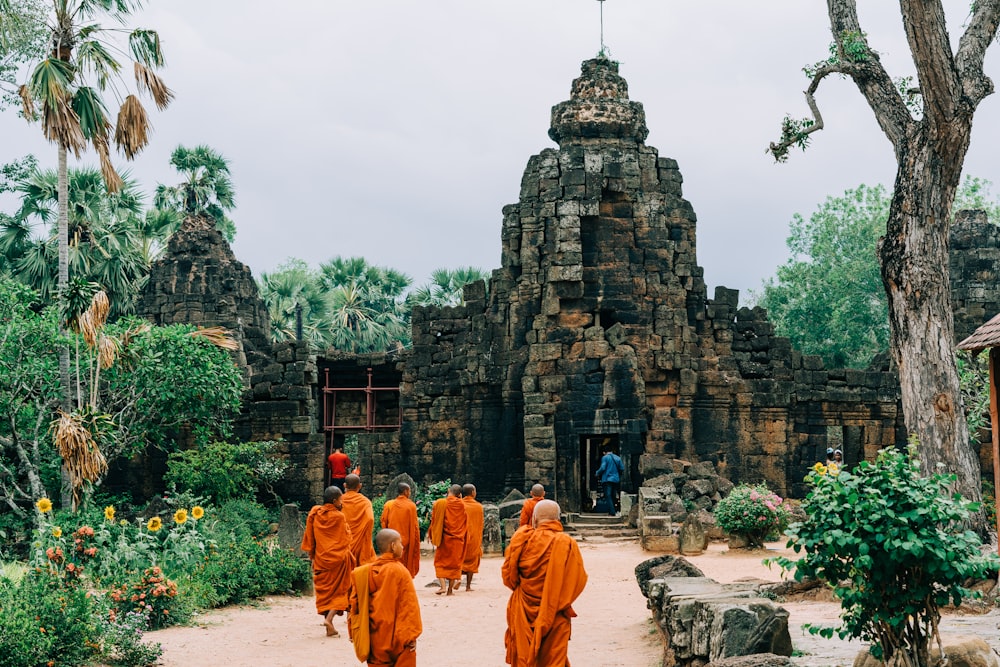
448, 528
400, 514
544, 569
527, 509
327, 540
361, 519
474, 535
393, 618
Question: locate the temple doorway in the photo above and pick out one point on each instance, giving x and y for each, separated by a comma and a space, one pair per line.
591, 449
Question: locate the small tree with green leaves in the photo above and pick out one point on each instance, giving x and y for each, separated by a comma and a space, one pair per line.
892, 545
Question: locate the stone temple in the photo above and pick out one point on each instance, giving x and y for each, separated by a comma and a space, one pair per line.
597, 329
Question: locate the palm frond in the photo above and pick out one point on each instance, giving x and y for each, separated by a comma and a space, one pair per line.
218, 336
27, 102
107, 351
146, 78
130, 132
145, 47
112, 181
90, 110
93, 55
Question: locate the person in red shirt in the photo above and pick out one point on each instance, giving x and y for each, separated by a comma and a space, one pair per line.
340, 464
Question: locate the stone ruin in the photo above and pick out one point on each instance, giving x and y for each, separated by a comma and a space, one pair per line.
598, 330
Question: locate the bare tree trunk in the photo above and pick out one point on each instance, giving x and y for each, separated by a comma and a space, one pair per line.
65, 381
914, 258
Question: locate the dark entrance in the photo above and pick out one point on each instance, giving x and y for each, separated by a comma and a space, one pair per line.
591, 450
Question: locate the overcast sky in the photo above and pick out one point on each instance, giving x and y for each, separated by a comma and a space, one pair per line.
397, 130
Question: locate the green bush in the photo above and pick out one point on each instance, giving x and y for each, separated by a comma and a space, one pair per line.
223, 471
424, 501
246, 568
152, 595
754, 512
892, 545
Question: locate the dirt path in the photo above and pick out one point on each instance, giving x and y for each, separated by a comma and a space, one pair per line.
613, 629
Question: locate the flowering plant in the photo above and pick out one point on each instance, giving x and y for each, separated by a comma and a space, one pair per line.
753, 512
152, 594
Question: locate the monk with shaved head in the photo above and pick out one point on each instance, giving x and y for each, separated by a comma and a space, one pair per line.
361, 519
327, 541
400, 514
448, 533
544, 570
385, 614
537, 494
474, 534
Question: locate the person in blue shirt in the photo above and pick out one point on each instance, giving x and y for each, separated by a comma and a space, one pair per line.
610, 476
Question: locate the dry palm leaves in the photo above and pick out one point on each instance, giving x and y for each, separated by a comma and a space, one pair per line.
78, 449
107, 351
112, 179
218, 336
130, 132
146, 78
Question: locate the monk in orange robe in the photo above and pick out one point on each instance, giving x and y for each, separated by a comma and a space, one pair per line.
385, 613
448, 528
544, 569
400, 514
537, 494
327, 540
361, 519
474, 534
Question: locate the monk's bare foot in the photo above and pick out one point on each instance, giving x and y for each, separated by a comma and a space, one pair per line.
441, 592
330, 630
449, 593
468, 588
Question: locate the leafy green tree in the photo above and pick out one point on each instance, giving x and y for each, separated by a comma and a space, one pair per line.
21, 41
929, 127
828, 297
106, 242
166, 384
206, 191
891, 544
446, 287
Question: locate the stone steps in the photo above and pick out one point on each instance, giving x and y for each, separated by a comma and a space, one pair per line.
599, 528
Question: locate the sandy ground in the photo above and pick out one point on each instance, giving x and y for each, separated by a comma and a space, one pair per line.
613, 627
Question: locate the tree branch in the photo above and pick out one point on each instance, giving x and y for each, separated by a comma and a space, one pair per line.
978, 36
927, 35
791, 135
868, 74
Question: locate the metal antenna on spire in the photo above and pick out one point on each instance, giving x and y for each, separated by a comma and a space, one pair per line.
602, 53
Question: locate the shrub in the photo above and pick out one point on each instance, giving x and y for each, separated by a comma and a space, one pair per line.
891, 543
424, 501
245, 568
753, 512
123, 645
224, 471
152, 595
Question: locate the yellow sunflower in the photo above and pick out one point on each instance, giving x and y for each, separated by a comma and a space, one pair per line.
154, 524
180, 516
57, 532
197, 512
109, 512
44, 505
819, 469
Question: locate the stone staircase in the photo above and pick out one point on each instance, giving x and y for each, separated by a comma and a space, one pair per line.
596, 528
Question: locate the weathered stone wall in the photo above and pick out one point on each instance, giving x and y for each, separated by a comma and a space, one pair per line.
974, 243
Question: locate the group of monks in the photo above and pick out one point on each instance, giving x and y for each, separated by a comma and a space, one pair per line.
542, 567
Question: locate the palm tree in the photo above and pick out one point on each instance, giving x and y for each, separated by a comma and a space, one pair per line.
446, 287
366, 305
105, 237
66, 87
207, 189
295, 284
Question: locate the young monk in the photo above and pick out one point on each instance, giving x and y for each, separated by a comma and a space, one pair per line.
537, 494
448, 528
474, 534
385, 613
400, 514
360, 518
327, 540
544, 569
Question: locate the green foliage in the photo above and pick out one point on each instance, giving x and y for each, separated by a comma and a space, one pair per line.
169, 380
123, 645
378, 504
45, 620
223, 471
152, 595
424, 500
446, 287
22, 39
891, 544
974, 382
828, 298
244, 567
793, 133
754, 512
